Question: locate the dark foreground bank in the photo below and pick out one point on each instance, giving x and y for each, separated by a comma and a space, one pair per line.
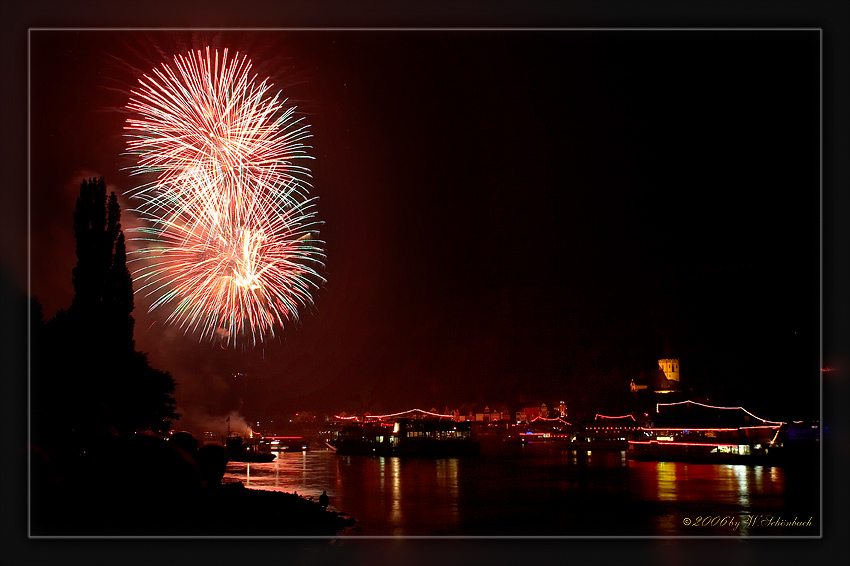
145, 486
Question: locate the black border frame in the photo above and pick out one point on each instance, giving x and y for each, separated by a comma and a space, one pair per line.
833, 17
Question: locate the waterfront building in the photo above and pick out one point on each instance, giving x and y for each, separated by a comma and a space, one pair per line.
531, 413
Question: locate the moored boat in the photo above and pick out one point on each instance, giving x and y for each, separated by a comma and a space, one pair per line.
284, 444
699, 433
407, 437
239, 451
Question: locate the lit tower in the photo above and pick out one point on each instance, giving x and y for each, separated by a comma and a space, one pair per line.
670, 367
562, 410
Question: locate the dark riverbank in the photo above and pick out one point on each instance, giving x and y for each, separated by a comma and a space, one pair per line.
145, 486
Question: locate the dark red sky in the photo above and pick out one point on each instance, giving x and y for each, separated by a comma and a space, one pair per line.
506, 213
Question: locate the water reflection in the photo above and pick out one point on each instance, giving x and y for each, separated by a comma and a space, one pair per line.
720, 483
290, 472
447, 480
553, 493
741, 473
396, 516
666, 477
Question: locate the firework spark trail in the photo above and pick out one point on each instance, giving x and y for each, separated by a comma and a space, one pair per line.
230, 234
214, 117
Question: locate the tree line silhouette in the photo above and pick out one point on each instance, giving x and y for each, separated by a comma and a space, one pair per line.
88, 381
101, 461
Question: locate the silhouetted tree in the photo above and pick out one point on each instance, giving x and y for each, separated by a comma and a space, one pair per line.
118, 289
103, 288
91, 380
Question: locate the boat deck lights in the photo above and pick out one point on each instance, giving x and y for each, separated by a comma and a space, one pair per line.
600, 416
659, 405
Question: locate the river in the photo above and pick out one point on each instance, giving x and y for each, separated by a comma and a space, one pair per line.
561, 493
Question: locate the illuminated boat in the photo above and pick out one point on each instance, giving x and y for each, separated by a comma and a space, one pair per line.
284, 444
695, 432
239, 451
407, 437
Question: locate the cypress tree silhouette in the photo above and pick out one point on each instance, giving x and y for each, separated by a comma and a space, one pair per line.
90, 233
118, 289
92, 379
103, 287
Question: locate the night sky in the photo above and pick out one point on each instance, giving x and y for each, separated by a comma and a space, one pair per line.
506, 213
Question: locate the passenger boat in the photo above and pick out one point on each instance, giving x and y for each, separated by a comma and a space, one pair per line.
284, 444
699, 433
238, 451
407, 437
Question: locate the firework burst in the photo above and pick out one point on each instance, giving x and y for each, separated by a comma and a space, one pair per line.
230, 236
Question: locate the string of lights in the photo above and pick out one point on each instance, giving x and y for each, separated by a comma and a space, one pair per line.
659, 405
600, 417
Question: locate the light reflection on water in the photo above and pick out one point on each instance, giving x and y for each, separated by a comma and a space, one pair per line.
396, 516
718, 490
731, 484
559, 493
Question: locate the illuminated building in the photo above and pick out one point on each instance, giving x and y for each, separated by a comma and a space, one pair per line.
530, 413
477, 412
670, 367
664, 379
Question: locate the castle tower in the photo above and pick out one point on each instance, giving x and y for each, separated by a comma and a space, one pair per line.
670, 367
